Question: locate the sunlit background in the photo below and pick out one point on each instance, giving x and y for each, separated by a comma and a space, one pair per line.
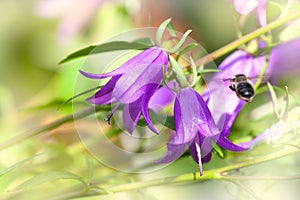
36, 35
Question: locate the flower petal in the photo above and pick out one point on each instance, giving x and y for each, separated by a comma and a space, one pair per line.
131, 85
207, 157
145, 103
131, 115
174, 152
104, 95
244, 7
284, 59
225, 143
261, 12
190, 115
142, 59
187, 114
161, 98
206, 126
206, 149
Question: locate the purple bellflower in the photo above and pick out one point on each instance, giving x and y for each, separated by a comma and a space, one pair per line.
133, 84
200, 121
195, 128
284, 59
244, 7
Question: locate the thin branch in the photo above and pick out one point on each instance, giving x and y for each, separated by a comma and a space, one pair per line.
250, 36
50, 126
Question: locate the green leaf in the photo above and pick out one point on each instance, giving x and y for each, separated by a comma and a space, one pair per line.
263, 89
161, 29
195, 73
6, 170
78, 95
90, 168
201, 71
179, 73
48, 177
284, 111
187, 48
181, 41
171, 30
218, 150
51, 104
146, 41
54, 124
140, 44
274, 100
141, 123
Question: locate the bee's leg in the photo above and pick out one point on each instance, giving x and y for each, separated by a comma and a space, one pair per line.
232, 87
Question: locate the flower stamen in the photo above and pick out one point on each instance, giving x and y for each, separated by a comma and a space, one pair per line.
199, 158
107, 119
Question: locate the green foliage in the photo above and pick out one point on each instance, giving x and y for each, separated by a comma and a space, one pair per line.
57, 165
8, 169
49, 177
107, 47
187, 48
179, 73
161, 29
181, 42
79, 95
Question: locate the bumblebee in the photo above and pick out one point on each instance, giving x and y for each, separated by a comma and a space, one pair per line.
242, 86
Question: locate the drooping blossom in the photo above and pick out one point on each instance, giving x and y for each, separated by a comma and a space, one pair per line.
195, 128
201, 121
244, 7
73, 14
133, 84
284, 59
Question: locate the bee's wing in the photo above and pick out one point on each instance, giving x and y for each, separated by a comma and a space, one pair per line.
226, 79
263, 78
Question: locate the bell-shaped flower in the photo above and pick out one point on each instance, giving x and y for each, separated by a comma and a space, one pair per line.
133, 84
284, 59
195, 128
244, 7
201, 121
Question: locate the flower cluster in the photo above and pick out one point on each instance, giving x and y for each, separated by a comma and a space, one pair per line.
200, 121
133, 84
198, 124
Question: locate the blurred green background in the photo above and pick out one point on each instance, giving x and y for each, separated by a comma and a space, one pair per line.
32, 84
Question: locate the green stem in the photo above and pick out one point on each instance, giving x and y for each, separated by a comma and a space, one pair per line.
267, 57
262, 178
216, 174
182, 179
69, 118
250, 36
258, 160
263, 71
